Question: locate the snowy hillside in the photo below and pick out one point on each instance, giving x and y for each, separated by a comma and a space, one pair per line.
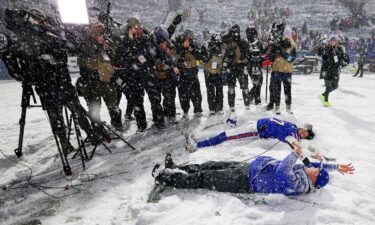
114, 188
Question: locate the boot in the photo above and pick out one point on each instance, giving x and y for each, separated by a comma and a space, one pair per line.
269, 107
277, 109
289, 109
168, 162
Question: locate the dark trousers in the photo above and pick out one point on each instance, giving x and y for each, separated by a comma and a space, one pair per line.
359, 71
189, 90
237, 73
331, 85
149, 83
129, 107
275, 88
257, 81
220, 176
214, 85
168, 90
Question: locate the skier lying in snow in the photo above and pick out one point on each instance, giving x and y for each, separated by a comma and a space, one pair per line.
266, 128
263, 175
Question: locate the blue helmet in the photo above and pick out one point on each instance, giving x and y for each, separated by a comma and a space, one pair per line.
322, 179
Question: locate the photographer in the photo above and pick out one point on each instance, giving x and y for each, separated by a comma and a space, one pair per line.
234, 63
166, 66
189, 87
213, 64
282, 54
254, 64
334, 57
135, 62
96, 72
38, 57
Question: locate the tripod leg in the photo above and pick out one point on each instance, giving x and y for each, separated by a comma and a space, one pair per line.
93, 152
54, 113
106, 147
64, 160
25, 102
120, 137
81, 146
68, 122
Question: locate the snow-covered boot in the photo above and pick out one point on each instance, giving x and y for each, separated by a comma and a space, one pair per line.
289, 109
277, 110
168, 162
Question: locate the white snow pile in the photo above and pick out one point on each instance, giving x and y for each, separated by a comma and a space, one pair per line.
114, 188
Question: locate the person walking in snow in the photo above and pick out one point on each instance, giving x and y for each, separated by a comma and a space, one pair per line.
361, 62
334, 56
263, 175
284, 131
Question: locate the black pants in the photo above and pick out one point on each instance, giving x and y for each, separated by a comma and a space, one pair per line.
168, 90
237, 73
94, 90
257, 81
331, 85
220, 176
275, 88
189, 90
137, 84
359, 71
214, 85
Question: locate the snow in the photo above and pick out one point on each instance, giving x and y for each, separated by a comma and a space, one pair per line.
344, 131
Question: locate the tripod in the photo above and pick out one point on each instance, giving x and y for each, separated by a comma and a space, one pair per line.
118, 137
27, 93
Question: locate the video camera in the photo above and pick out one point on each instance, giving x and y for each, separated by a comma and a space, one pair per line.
276, 41
38, 34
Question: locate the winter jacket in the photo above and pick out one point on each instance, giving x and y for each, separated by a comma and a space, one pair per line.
332, 59
255, 51
187, 60
213, 59
137, 56
363, 57
92, 56
236, 53
283, 58
268, 175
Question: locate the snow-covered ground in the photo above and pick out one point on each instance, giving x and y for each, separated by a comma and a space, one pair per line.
114, 188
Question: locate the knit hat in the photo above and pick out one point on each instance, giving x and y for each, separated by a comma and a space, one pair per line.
162, 36
309, 129
133, 21
189, 33
322, 179
333, 37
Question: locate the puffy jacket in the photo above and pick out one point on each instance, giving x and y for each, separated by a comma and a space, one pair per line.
330, 66
283, 59
268, 175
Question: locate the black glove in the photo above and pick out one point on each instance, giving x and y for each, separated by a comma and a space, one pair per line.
177, 20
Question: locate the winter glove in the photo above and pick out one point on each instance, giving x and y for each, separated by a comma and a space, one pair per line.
177, 20
231, 122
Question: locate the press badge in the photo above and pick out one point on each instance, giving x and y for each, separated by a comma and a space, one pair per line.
105, 57
142, 59
214, 65
336, 59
